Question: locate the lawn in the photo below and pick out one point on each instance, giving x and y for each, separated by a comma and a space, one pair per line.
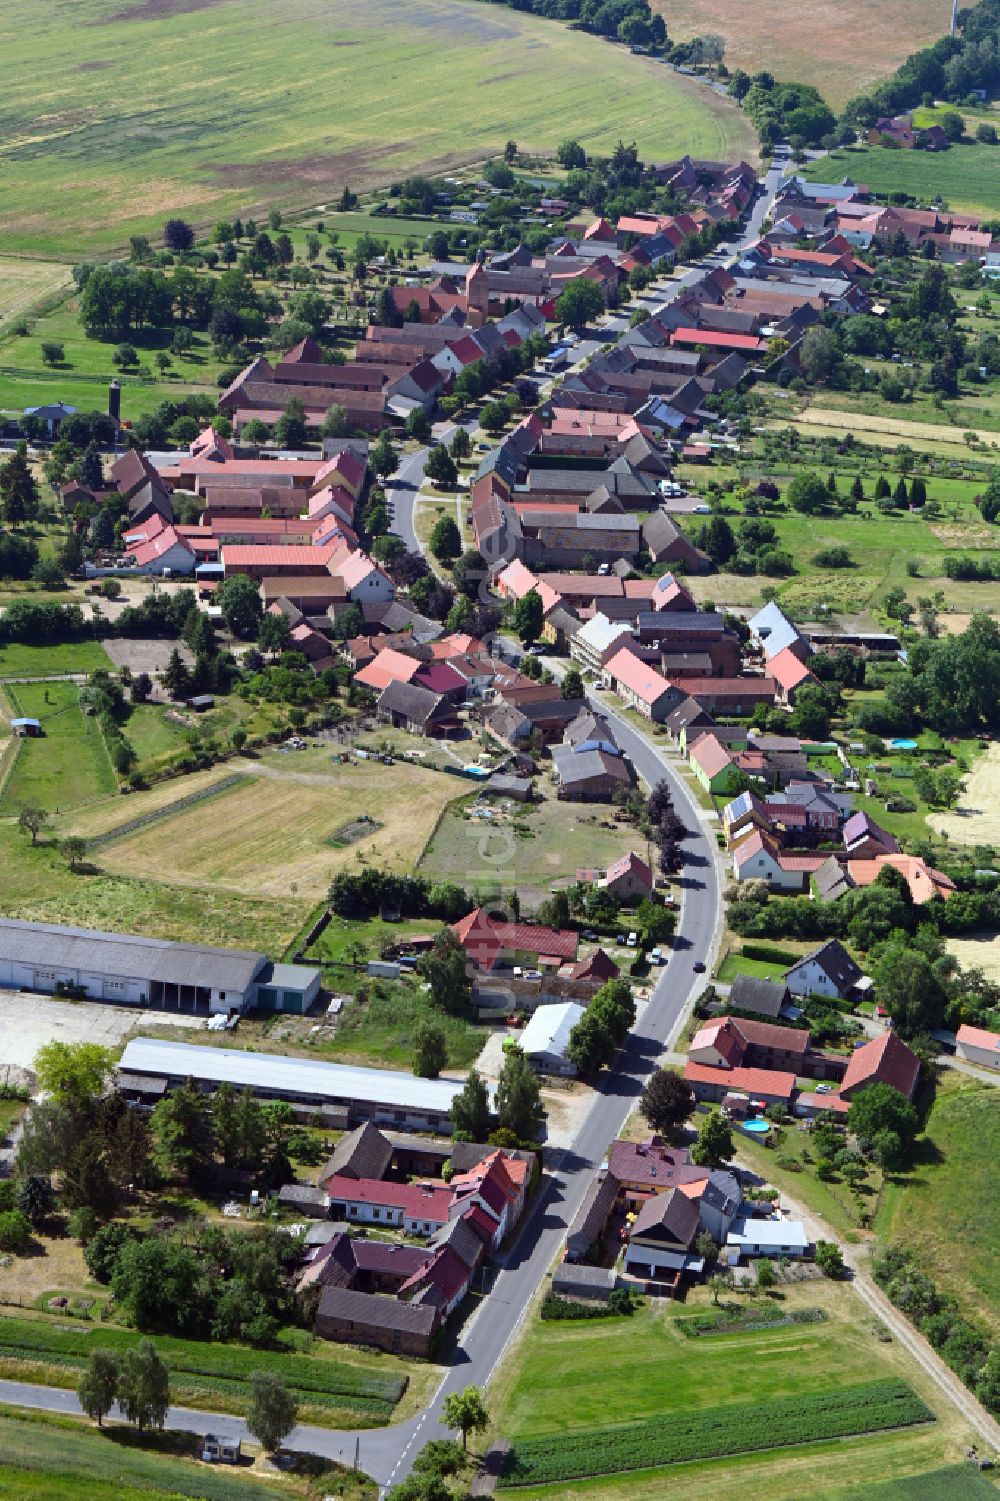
526, 846
576, 1376
19, 660
144, 110
45, 1459
841, 53
68, 764
788, 1167
944, 1209
36, 884
275, 835
965, 177
379, 1030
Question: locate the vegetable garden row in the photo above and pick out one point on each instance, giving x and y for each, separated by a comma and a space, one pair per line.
715, 1432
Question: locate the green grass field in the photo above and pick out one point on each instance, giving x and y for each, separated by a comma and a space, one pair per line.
42, 1460
965, 177
940, 1209
20, 660
66, 766
956, 1483
148, 108
82, 377
576, 1376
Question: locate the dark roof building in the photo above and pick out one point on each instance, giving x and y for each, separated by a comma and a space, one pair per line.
757, 997
587, 1225
367, 1319
362, 1153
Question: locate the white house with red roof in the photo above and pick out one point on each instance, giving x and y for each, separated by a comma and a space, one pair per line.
157, 548
640, 685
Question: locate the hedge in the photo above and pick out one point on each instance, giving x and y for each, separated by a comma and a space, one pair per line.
715, 1433
768, 953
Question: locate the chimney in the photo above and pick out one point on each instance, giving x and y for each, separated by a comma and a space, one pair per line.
114, 401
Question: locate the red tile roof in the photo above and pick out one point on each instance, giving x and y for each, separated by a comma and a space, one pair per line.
415, 1202
978, 1037
788, 671
388, 667
485, 939
884, 1060
752, 1081
923, 880
600, 966
644, 681
715, 340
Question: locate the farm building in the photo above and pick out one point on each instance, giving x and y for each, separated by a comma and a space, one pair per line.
383, 1323
976, 1045
24, 727
398, 1099
140, 971
584, 1284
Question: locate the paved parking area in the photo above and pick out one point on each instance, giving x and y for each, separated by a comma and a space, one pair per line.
29, 1021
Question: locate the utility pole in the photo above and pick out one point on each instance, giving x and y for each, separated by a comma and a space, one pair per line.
954, 17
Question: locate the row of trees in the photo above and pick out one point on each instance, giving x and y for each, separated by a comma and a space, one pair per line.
519, 1109
139, 1382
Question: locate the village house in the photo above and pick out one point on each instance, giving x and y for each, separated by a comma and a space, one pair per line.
827, 971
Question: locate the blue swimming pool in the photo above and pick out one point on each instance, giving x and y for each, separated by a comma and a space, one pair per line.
757, 1128
903, 744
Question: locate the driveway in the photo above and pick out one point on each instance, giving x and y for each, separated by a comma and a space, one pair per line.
27, 1022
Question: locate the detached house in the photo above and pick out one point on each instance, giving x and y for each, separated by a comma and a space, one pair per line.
828, 970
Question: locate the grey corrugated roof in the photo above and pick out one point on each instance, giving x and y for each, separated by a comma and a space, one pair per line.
127, 954
592, 1215
276, 1072
363, 1153
585, 1276
762, 997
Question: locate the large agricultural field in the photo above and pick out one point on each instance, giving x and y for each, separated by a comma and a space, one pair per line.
964, 177
117, 116
841, 50
569, 1376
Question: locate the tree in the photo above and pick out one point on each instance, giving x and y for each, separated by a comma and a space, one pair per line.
430, 1050
274, 633
291, 429
819, 355
382, 457
35, 1198
446, 540
182, 1128
238, 597
256, 432
461, 444
15, 1232
178, 234
656, 923
527, 616
572, 683
581, 301
666, 1101
441, 470
910, 990
98, 1386
32, 820
470, 1109
447, 970
52, 352
885, 1124
273, 1410
466, 1411
144, 1386
519, 1101
72, 1072
18, 488
175, 676
494, 417
714, 1145
766, 1276
807, 493
829, 1259
335, 423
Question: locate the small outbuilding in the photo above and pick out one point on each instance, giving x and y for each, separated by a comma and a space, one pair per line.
26, 728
